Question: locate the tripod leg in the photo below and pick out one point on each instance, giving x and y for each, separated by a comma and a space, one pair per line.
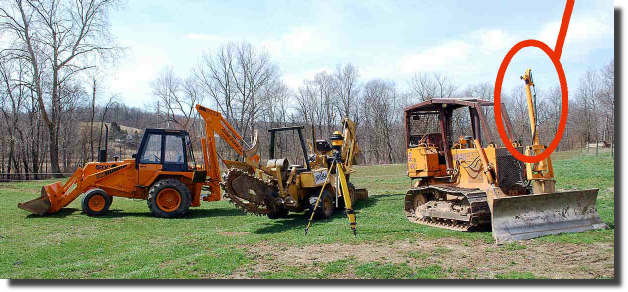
309, 223
346, 196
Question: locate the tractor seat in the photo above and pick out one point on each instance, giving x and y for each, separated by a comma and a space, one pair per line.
299, 168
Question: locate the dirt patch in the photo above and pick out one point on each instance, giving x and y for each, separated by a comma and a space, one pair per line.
461, 258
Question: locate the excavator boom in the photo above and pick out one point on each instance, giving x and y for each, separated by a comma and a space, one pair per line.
215, 123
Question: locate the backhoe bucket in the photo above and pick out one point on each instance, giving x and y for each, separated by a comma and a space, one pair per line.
530, 216
43, 204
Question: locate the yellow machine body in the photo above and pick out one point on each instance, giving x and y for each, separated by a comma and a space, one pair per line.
461, 184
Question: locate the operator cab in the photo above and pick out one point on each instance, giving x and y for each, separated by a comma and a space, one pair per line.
170, 148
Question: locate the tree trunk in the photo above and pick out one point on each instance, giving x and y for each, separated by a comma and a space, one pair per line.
54, 152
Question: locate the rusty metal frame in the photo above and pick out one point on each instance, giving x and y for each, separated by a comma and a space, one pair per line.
474, 105
446, 106
444, 117
507, 122
478, 107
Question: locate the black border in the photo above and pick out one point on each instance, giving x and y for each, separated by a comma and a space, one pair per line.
619, 283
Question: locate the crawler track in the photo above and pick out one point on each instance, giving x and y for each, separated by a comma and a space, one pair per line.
467, 214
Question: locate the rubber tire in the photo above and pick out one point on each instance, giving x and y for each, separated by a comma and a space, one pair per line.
354, 198
282, 213
94, 192
320, 212
177, 185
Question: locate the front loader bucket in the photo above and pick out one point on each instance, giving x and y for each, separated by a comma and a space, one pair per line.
43, 204
530, 216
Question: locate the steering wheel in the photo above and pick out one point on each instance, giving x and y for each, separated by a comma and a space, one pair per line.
156, 158
180, 159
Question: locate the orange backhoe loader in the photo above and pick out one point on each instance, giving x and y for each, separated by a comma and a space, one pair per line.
163, 172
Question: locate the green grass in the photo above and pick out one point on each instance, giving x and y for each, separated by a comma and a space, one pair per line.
516, 275
513, 246
213, 241
377, 270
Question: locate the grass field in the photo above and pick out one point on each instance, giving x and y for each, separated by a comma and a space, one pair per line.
219, 241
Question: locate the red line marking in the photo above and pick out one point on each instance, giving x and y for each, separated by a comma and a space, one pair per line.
555, 57
563, 28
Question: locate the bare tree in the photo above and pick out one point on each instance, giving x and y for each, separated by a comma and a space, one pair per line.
96, 86
234, 77
587, 96
326, 89
56, 37
348, 90
177, 98
426, 86
607, 100
12, 100
381, 116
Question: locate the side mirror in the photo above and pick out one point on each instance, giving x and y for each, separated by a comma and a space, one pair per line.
134, 156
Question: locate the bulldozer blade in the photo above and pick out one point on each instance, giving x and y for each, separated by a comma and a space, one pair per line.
531, 216
39, 206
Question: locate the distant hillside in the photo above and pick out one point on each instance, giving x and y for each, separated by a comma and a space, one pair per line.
129, 130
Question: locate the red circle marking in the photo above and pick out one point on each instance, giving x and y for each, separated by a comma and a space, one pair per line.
498, 108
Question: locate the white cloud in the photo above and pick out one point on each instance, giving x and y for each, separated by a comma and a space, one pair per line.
378, 5
132, 79
204, 37
493, 39
583, 35
580, 30
298, 40
295, 80
435, 58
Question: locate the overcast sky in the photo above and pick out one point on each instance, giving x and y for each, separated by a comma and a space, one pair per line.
466, 40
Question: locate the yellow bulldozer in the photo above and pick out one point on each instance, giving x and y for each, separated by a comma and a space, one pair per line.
465, 183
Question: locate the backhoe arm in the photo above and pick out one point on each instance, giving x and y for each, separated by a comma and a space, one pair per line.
350, 149
541, 174
215, 123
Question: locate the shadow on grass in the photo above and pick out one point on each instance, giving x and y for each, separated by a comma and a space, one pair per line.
192, 213
299, 220
64, 212
119, 213
222, 212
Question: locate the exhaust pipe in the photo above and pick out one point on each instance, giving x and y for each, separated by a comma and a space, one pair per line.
102, 153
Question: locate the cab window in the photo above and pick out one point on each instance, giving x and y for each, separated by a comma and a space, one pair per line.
152, 151
174, 150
